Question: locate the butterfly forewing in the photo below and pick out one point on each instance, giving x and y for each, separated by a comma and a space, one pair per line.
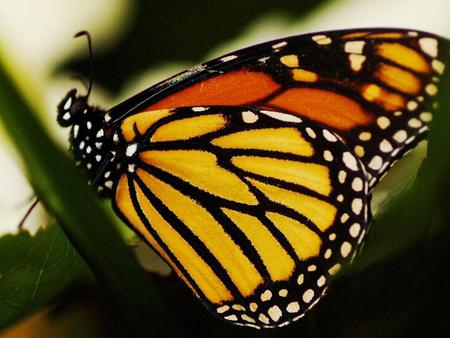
255, 210
375, 88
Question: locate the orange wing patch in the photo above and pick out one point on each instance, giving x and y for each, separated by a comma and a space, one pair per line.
343, 114
404, 56
230, 89
388, 100
398, 78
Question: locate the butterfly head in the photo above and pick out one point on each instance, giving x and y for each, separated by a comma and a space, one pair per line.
72, 108
91, 140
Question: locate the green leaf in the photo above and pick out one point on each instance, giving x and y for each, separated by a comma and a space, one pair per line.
66, 195
33, 270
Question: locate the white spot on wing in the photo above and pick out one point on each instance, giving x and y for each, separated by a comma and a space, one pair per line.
249, 117
357, 206
344, 218
354, 47
131, 149
429, 46
310, 132
266, 295
238, 307
263, 318
247, 318
414, 123
400, 136
376, 162
321, 281
350, 161
438, 66
356, 61
308, 295
279, 45
329, 136
412, 105
354, 230
76, 129
334, 269
385, 146
426, 116
275, 313
199, 109
228, 58
328, 156
223, 309
232, 318
341, 176
322, 39
383, 122
431, 89
357, 184
282, 116
346, 248
293, 307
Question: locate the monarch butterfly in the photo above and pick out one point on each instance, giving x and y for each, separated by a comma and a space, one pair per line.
251, 174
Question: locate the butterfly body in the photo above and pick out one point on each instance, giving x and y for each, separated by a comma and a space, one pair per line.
251, 175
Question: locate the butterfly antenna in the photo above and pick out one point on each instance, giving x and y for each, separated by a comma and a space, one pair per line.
30, 209
89, 40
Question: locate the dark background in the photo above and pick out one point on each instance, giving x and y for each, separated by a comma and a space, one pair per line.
163, 31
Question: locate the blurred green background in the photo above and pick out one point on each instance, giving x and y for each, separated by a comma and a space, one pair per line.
400, 284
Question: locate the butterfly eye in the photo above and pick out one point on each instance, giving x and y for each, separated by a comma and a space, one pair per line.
65, 109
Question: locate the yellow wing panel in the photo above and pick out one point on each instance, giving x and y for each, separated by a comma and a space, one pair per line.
398, 78
310, 175
403, 56
320, 212
142, 121
286, 140
185, 129
200, 168
241, 271
125, 205
200, 272
305, 242
277, 261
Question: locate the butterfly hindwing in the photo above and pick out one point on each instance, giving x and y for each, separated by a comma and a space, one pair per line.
255, 210
373, 87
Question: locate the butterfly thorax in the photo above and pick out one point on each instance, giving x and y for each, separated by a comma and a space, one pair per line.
94, 147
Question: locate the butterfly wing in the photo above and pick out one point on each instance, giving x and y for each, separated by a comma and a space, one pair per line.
255, 210
373, 87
